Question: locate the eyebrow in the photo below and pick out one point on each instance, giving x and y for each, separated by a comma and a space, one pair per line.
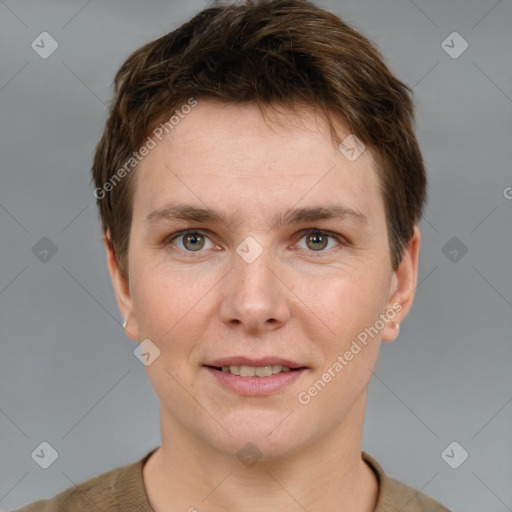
292, 216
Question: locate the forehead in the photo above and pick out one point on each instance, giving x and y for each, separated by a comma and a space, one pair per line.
239, 159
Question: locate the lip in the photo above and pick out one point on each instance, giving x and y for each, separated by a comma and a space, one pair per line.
245, 361
254, 386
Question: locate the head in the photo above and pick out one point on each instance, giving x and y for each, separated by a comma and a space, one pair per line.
277, 133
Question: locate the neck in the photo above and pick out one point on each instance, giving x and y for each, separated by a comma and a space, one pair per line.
188, 474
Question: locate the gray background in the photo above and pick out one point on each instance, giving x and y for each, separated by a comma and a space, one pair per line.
68, 373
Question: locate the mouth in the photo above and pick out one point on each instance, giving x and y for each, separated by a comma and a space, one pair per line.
253, 371
264, 367
253, 377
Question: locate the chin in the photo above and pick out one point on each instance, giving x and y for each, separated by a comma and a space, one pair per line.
263, 440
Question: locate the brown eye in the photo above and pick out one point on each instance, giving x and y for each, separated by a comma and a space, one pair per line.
321, 242
317, 241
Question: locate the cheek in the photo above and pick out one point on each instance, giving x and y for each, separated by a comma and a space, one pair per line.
169, 312
346, 307
345, 304
173, 307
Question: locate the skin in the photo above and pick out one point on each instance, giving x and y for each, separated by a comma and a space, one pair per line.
297, 300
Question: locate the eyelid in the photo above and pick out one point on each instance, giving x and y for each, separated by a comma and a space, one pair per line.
189, 231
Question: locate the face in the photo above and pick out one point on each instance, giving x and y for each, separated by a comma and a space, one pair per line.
256, 243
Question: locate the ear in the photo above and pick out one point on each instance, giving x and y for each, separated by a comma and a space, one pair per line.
122, 290
403, 287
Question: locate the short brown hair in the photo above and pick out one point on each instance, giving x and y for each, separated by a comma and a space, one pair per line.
271, 53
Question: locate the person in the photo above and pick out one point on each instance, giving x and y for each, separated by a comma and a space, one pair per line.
259, 185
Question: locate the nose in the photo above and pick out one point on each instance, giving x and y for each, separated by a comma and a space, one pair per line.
255, 298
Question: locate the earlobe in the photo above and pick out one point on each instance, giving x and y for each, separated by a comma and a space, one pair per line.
121, 289
403, 287
391, 331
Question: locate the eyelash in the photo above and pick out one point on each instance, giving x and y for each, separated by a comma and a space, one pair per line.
168, 241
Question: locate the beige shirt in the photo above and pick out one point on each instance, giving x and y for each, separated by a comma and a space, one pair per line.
122, 490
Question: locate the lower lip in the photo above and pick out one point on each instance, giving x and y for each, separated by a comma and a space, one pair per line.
255, 386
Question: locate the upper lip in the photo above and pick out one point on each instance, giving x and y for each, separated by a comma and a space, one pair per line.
247, 361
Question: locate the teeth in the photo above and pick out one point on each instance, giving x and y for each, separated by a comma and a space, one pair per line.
255, 371
235, 370
247, 371
263, 371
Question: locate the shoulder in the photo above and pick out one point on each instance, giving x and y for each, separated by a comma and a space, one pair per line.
108, 492
395, 496
406, 499
97, 493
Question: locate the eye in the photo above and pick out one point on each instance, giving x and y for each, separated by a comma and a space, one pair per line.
317, 240
194, 241
191, 241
